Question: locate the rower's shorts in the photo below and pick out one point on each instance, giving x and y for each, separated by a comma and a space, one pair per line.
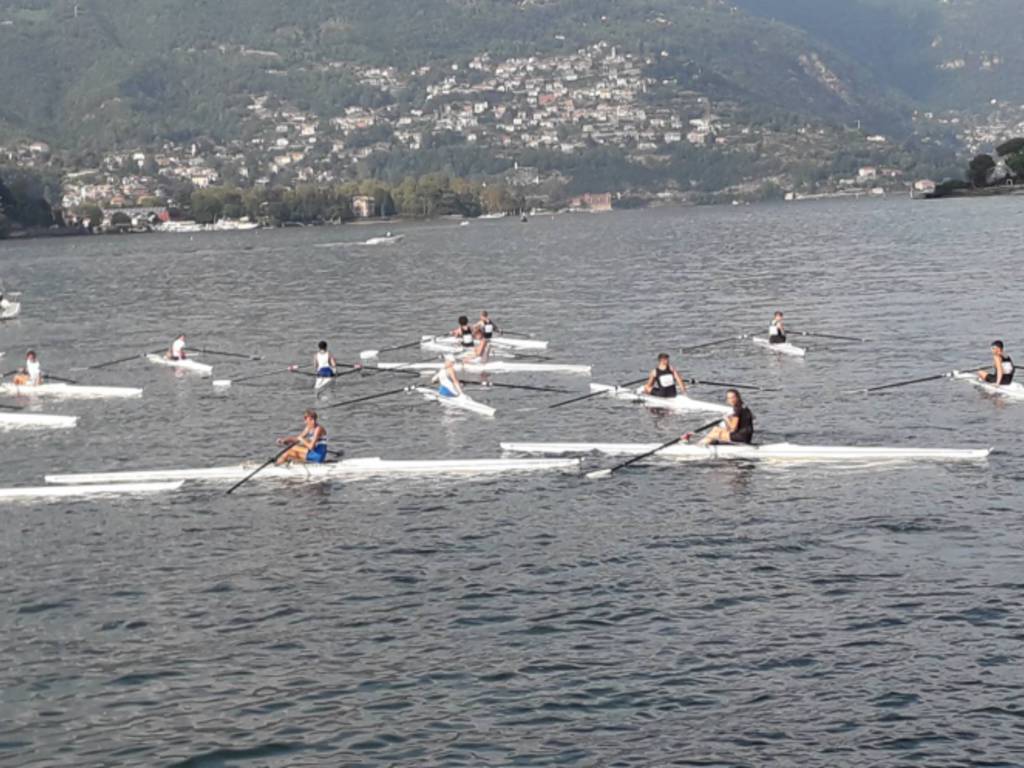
1007, 378
318, 455
776, 339
325, 373
445, 392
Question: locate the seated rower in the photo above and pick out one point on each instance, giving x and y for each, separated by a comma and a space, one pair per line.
323, 362
1002, 367
777, 330
447, 379
481, 352
664, 381
32, 374
486, 326
737, 427
177, 350
464, 333
309, 446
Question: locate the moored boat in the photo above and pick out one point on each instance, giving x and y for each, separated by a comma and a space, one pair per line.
679, 403
347, 468
185, 365
782, 452
63, 390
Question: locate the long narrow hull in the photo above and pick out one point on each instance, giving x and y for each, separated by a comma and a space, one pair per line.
461, 403
20, 420
349, 468
450, 343
322, 382
459, 351
493, 366
780, 349
680, 403
77, 391
184, 365
1013, 391
97, 489
769, 452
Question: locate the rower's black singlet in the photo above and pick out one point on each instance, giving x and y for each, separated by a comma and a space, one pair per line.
660, 389
744, 432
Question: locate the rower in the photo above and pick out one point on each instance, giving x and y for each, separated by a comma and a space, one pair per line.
664, 381
464, 333
309, 446
737, 427
486, 326
481, 352
32, 374
177, 350
777, 330
447, 379
323, 362
1002, 367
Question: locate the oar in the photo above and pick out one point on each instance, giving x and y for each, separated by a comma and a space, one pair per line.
373, 369
934, 377
371, 354
596, 394
732, 386
368, 397
489, 384
603, 473
265, 374
715, 343
224, 354
51, 377
258, 469
12, 407
136, 356
825, 336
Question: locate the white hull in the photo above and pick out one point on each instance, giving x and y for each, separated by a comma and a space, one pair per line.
460, 351
349, 468
1013, 391
781, 349
462, 402
21, 420
185, 365
769, 452
10, 310
450, 343
99, 489
322, 382
493, 366
385, 240
680, 403
78, 391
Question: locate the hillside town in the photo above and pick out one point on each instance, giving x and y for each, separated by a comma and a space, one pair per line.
599, 96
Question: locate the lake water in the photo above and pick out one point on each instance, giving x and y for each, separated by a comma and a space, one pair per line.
712, 615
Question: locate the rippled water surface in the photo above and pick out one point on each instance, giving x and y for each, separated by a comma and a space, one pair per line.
712, 615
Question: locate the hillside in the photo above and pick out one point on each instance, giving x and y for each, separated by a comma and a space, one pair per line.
102, 73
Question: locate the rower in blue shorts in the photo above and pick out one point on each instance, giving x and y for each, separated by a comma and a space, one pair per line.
309, 446
447, 379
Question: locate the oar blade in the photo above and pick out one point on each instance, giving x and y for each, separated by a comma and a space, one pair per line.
599, 474
369, 354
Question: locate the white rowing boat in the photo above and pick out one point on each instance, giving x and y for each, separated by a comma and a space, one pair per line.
60, 389
347, 468
679, 403
781, 349
443, 348
450, 343
463, 402
322, 382
769, 452
386, 240
185, 365
10, 310
97, 489
492, 366
23, 420
1014, 391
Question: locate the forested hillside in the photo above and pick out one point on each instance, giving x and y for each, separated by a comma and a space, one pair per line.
106, 72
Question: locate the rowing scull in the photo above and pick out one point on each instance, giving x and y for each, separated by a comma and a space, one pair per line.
680, 403
493, 366
57, 389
